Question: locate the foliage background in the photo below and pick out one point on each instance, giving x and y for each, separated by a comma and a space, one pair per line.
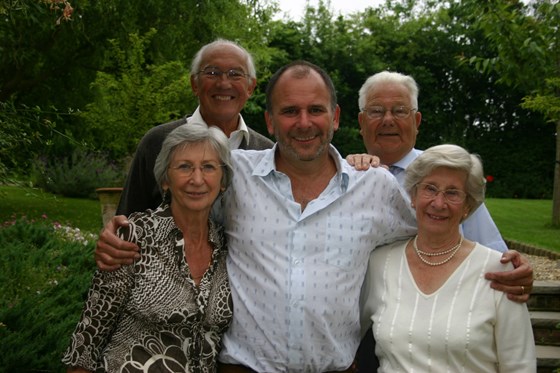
98, 81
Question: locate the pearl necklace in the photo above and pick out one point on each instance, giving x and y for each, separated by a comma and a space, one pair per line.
453, 251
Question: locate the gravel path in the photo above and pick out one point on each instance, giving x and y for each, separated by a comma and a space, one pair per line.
544, 268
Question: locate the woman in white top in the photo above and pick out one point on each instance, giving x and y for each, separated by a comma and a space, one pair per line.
426, 299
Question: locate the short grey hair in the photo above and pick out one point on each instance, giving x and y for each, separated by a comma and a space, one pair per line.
389, 77
456, 158
187, 134
196, 64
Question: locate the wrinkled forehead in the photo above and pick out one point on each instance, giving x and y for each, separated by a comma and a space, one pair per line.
224, 56
389, 92
194, 150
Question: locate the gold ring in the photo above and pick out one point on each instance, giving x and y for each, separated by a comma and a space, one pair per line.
522, 289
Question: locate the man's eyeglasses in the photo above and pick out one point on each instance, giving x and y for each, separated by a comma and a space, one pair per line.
429, 191
214, 73
187, 169
378, 112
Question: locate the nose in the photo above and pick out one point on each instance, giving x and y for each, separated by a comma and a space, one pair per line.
388, 118
224, 80
304, 119
439, 199
197, 176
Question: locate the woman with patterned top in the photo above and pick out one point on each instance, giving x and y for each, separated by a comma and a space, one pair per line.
431, 308
167, 311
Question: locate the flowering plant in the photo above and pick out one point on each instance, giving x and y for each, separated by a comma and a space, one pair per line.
62, 6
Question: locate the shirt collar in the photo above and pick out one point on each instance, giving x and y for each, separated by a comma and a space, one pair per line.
267, 165
241, 132
405, 161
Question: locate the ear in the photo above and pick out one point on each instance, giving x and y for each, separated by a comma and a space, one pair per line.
269, 123
194, 84
336, 118
361, 120
418, 117
251, 87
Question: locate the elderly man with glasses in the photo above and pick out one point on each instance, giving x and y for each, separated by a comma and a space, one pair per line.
223, 77
389, 121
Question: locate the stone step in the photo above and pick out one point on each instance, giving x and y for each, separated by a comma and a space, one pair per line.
548, 359
545, 296
546, 327
544, 308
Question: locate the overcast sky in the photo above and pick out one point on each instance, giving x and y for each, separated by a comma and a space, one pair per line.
295, 7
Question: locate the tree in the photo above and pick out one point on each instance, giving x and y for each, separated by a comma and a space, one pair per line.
525, 53
49, 63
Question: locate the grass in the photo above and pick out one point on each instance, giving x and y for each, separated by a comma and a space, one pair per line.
526, 221
17, 201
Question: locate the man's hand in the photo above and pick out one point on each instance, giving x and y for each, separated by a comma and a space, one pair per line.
362, 162
517, 283
111, 252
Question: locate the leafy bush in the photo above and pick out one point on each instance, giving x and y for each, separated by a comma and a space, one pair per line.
22, 132
78, 175
45, 271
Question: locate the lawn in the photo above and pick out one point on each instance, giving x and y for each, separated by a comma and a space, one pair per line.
526, 221
16, 201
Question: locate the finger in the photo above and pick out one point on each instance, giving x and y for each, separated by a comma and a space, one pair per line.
521, 275
104, 267
124, 251
514, 257
351, 159
518, 298
365, 161
517, 293
361, 162
110, 262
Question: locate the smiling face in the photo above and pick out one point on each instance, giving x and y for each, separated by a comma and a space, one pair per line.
221, 100
302, 119
436, 216
389, 138
196, 192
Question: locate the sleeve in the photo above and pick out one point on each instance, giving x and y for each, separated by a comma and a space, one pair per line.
480, 227
106, 297
400, 216
514, 336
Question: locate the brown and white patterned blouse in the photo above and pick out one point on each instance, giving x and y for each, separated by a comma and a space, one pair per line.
150, 316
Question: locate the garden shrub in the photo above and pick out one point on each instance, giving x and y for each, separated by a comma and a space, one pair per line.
77, 175
45, 272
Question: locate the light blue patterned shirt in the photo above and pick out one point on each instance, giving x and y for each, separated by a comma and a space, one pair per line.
296, 275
